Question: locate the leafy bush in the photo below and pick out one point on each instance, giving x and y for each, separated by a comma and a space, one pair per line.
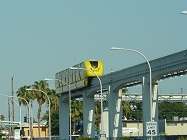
182, 138
84, 138
1, 134
126, 138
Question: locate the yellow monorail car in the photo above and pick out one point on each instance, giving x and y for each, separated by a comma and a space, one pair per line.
80, 77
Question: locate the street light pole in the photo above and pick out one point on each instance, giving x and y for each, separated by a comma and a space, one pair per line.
46, 79
150, 74
49, 109
69, 112
19, 111
101, 89
29, 115
20, 108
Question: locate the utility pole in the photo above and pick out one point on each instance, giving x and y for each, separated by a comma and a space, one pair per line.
12, 83
10, 131
9, 109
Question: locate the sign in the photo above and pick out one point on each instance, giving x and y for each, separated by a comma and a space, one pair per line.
10, 137
17, 134
11, 125
151, 128
102, 135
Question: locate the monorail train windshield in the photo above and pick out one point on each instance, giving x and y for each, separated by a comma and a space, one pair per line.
94, 64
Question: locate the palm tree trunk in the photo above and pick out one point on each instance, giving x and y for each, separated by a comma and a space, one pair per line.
39, 112
30, 124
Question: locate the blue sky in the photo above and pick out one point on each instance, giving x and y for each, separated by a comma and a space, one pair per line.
40, 38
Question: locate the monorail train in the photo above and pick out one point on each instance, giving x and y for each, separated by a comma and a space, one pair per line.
78, 78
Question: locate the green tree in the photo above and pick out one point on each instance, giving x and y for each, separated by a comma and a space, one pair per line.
126, 110
169, 109
54, 100
124, 90
27, 95
181, 138
76, 113
97, 116
1, 135
54, 112
84, 138
55, 123
40, 97
125, 107
126, 138
136, 111
2, 117
54, 103
23, 93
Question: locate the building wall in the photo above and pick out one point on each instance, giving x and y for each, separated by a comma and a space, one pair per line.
129, 126
43, 131
176, 128
170, 128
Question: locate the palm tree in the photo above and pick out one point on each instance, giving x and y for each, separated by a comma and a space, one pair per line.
125, 107
54, 100
2, 117
126, 110
97, 116
23, 93
54, 106
76, 112
40, 97
55, 123
124, 90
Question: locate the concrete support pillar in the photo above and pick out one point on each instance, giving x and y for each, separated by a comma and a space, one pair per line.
88, 116
146, 103
105, 116
115, 113
63, 119
155, 105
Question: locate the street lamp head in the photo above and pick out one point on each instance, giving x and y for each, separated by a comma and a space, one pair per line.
184, 12
115, 48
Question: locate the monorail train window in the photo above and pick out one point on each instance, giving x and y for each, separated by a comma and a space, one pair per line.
56, 82
67, 75
94, 64
62, 77
82, 65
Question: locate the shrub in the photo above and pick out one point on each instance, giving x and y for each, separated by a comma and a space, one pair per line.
1, 134
84, 138
126, 138
182, 138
